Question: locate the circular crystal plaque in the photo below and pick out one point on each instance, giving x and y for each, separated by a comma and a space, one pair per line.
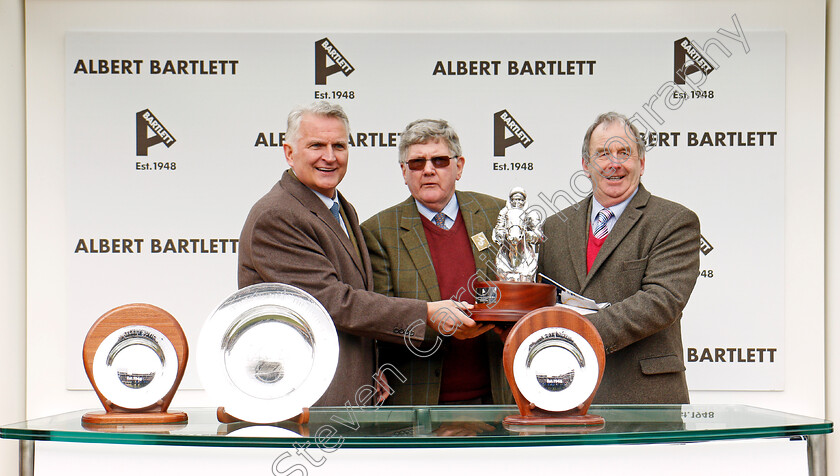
135, 356
135, 366
556, 369
267, 352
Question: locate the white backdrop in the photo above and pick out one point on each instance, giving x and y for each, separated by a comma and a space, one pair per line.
170, 214
48, 22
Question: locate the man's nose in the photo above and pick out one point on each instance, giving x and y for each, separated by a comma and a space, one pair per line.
329, 153
614, 161
428, 167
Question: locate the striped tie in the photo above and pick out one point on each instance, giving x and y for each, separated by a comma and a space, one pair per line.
599, 228
439, 219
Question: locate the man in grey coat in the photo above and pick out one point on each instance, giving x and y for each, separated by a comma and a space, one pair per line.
305, 233
638, 252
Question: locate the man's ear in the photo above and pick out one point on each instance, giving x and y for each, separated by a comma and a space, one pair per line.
287, 151
405, 171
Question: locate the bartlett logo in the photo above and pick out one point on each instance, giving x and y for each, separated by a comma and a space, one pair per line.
502, 123
146, 121
689, 59
325, 49
705, 246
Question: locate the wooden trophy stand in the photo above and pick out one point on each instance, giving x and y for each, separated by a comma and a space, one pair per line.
225, 417
114, 320
547, 317
230, 423
505, 302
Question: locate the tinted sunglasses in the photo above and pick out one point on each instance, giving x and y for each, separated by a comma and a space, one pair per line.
438, 162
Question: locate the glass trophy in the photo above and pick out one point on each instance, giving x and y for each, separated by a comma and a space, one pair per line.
267, 353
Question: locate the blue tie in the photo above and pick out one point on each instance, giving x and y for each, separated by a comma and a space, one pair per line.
599, 228
334, 209
440, 220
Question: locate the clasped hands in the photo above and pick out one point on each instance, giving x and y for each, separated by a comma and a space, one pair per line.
451, 318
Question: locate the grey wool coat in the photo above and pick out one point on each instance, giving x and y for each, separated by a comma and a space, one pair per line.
646, 268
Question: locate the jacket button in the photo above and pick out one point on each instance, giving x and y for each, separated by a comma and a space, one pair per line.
437, 372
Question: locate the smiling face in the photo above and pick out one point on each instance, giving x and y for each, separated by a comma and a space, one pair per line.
433, 187
614, 165
319, 155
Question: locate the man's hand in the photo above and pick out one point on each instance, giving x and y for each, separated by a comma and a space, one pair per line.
383, 390
449, 319
503, 332
463, 428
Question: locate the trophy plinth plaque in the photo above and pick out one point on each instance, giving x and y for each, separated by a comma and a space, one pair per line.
135, 356
554, 361
508, 301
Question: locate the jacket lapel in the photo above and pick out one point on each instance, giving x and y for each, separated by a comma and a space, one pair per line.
471, 211
360, 258
578, 235
414, 239
622, 227
314, 204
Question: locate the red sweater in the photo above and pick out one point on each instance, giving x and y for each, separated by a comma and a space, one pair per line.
466, 372
593, 245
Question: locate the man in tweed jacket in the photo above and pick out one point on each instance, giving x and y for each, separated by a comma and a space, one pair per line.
403, 264
642, 256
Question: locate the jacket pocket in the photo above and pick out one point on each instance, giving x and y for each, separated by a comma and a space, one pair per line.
665, 364
634, 264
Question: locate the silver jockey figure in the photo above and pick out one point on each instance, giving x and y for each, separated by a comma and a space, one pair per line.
519, 234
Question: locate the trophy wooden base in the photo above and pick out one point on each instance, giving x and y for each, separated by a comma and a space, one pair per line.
225, 417
125, 418
121, 318
508, 301
530, 412
554, 420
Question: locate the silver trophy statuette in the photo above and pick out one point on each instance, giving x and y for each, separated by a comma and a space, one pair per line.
518, 233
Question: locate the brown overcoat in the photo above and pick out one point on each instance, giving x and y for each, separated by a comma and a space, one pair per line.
291, 237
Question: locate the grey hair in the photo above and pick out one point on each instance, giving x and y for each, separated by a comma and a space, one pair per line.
608, 118
425, 130
318, 108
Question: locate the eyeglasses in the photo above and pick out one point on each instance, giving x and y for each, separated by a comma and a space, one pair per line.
620, 156
438, 162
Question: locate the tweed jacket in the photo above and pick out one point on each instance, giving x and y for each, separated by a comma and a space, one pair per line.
646, 268
291, 237
402, 266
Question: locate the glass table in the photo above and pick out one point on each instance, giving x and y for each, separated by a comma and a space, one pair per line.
407, 428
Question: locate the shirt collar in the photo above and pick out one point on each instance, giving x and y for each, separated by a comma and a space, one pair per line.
450, 210
328, 202
617, 209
